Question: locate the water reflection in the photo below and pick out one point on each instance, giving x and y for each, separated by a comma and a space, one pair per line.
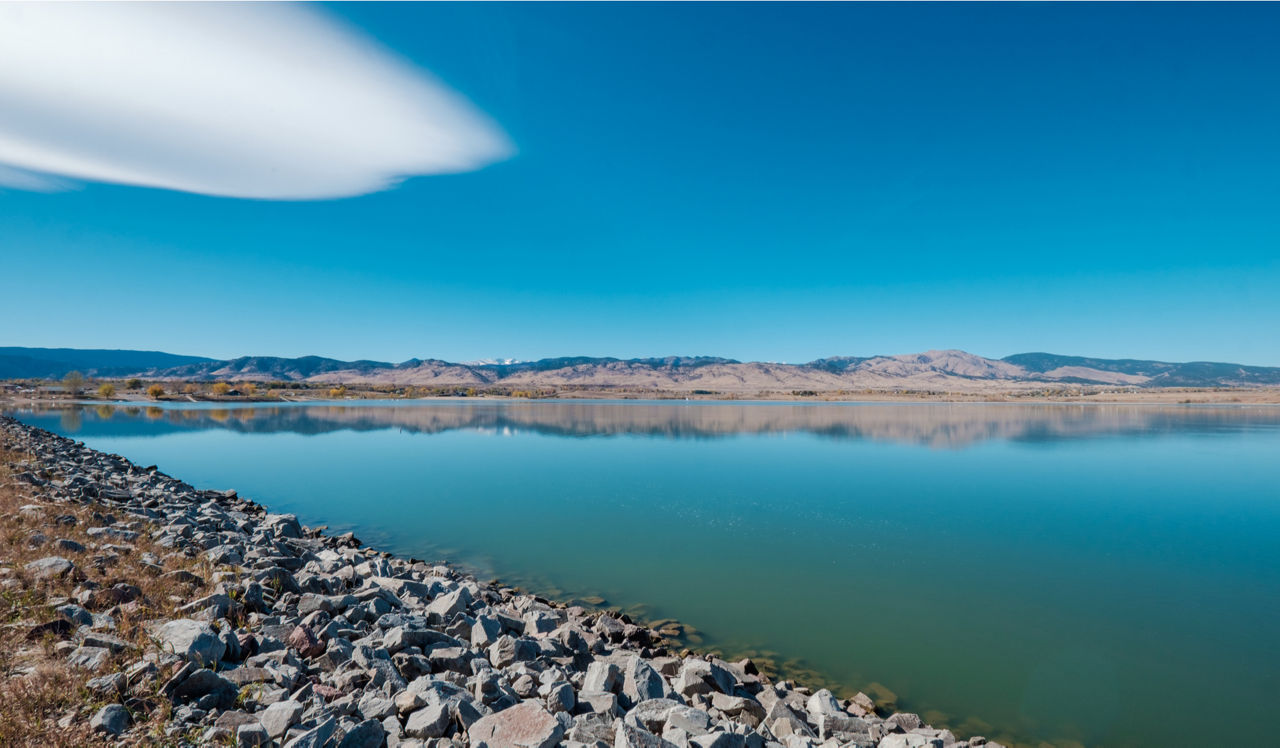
935, 425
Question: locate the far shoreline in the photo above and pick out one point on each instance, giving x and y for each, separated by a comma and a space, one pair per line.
17, 394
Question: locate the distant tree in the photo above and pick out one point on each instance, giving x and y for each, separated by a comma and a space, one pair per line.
74, 382
155, 391
190, 388
133, 384
249, 388
337, 391
106, 389
221, 388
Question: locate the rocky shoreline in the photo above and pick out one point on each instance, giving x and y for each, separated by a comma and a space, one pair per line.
294, 637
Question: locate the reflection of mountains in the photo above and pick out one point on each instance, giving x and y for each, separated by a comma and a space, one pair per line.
925, 424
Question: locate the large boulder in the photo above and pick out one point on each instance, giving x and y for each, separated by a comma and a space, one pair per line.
525, 725
193, 640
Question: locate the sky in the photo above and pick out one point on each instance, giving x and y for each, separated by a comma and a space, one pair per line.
760, 181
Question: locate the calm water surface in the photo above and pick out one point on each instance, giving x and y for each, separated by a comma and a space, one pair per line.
1102, 574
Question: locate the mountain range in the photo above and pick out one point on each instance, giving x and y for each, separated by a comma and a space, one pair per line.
946, 370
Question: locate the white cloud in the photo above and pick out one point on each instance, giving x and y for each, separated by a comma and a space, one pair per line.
246, 100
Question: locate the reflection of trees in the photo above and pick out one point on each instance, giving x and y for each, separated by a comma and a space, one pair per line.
937, 425
155, 412
70, 419
105, 412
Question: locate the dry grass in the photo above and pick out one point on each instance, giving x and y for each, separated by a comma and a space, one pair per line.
43, 700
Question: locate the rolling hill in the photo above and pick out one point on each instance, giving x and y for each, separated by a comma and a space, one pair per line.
945, 370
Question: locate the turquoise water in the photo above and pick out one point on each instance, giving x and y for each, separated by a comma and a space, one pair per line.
1108, 575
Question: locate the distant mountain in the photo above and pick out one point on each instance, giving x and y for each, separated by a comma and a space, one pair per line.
55, 362
1148, 373
948, 371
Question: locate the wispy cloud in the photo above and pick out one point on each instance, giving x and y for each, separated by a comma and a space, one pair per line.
243, 100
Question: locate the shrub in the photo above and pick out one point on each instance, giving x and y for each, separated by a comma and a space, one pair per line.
107, 389
249, 388
133, 384
221, 388
155, 391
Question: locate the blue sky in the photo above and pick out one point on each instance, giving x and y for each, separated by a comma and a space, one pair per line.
766, 182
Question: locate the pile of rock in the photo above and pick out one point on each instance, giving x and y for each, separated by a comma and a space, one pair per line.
304, 639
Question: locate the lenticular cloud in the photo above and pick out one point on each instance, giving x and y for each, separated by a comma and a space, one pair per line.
242, 100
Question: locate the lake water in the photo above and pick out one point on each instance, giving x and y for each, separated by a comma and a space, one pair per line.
1105, 574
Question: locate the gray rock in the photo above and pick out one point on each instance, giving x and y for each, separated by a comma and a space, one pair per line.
107, 685
251, 735
75, 614
747, 711
89, 658
602, 677
111, 719
233, 719
905, 720
700, 676
845, 728
431, 721
202, 683
591, 728
629, 736
600, 702
107, 641
485, 631
561, 698
367, 734
692, 721
280, 716
782, 721
823, 702
718, 740
316, 737
641, 682
651, 714
508, 650
448, 605
525, 725
375, 707
50, 567
192, 640
909, 740
71, 546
